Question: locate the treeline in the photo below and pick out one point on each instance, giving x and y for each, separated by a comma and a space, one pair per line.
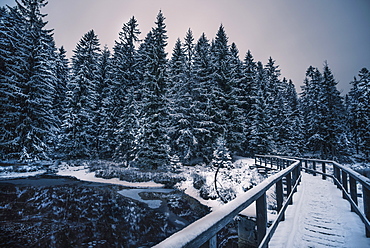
137, 106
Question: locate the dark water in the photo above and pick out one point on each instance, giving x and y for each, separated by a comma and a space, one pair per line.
51, 211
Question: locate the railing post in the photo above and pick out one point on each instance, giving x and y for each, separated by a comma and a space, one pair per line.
294, 177
299, 168
337, 175
353, 190
323, 170
261, 221
306, 164
289, 186
272, 162
212, 243
366, 199
314, 167
344, 183
335, 170
280, 196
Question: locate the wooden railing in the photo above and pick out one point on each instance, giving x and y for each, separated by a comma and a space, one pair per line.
206, 229
346, 180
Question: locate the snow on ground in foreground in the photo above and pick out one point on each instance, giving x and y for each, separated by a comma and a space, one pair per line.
82, 173
319, 217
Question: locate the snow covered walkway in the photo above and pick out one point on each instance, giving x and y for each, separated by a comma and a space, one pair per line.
319, 217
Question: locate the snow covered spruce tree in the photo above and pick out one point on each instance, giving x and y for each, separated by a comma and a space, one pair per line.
27, 81
309, 99
260, 137
105, 126
274, 105
324, 115
62, 74
334, 130
79, 127
238, 105
358, 105
293, 136
182, 133
287, 127
125, 99
10, 59
62, 70
202, 91
222, 85
152, 146
247, 96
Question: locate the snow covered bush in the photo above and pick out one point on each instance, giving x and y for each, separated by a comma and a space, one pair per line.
198, 181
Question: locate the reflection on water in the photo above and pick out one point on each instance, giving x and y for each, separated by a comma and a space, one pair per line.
52, 211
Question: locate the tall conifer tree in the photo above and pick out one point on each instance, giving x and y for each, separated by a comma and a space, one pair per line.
359, 113
11, 56
104, 107
260, 134
32, 123
203, 123
181, 131
222, 80
153, 150
126, 80
323, 114
248, 97
237, 100
80, 129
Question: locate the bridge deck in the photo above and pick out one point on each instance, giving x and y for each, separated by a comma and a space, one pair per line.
319, 217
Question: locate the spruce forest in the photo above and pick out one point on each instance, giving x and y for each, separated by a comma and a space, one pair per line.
141, 106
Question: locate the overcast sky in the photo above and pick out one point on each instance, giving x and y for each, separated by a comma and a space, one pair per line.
296, 33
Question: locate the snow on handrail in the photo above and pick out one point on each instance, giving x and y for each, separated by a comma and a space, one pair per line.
362, 179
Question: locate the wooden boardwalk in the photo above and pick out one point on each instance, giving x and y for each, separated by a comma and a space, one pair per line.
319, 217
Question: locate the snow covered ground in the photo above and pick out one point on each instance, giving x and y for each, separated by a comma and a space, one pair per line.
319, 217
82, 173
242, 178
238, 179
18, 171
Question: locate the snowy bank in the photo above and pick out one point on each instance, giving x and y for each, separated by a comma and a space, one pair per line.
82, 173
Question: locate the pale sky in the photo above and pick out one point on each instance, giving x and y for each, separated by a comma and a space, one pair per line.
296, 33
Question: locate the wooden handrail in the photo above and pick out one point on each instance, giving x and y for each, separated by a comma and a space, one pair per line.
340, 177
360, 178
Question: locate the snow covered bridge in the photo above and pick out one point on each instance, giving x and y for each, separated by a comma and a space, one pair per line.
319, 207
